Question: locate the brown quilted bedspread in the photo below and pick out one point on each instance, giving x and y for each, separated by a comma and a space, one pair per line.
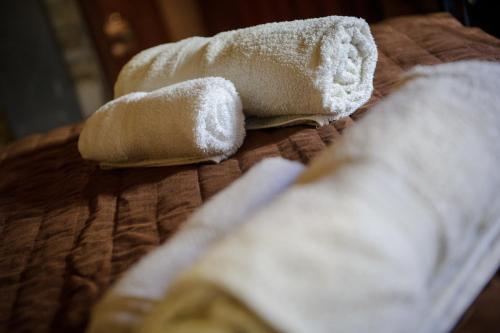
69, 229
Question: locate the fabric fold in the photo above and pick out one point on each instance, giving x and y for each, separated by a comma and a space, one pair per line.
189, 122
378, 235
304, 71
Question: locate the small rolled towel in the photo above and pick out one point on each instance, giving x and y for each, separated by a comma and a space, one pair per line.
189, 122
123, 307
302, 71
395, 229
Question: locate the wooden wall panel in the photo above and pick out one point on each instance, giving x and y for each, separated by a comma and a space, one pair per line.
222, 15
121, 29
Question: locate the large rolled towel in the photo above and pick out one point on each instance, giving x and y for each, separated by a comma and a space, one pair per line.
189, 122
123, 307
312, 70
396, 229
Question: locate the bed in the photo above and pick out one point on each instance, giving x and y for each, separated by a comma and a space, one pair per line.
68, 229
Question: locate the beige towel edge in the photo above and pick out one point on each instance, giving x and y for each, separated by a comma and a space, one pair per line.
161, 162
255, 123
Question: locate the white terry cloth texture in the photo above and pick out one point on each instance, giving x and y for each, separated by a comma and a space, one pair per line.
380, 234
189, 122
124, 305
302, 71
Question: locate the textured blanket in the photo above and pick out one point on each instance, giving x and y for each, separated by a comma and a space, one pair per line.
68, 230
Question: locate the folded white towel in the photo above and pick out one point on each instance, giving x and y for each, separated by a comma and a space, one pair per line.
188, 122
380, 232
301, 71
123, 306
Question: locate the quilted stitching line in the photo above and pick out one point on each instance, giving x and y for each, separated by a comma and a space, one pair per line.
116, 216
22, 276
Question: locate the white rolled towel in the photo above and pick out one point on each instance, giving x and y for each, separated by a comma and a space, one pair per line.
189, 122
123, 307
396, 229
312, 70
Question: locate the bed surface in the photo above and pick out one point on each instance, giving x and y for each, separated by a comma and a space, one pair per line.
69, 229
